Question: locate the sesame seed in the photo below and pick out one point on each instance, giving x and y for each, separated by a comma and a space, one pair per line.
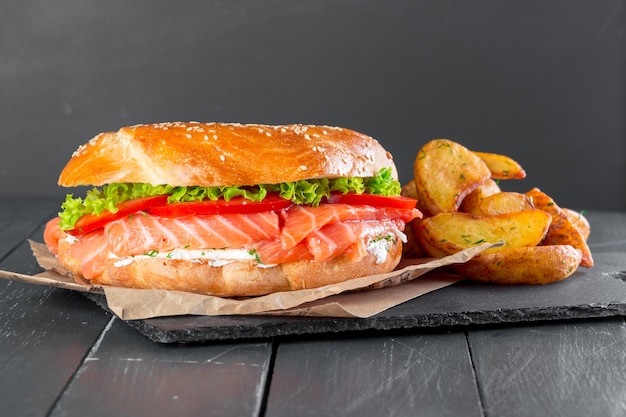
303, 167
215, 137
206, 137
188, 135
222, 158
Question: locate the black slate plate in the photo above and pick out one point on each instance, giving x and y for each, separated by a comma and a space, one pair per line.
590, 293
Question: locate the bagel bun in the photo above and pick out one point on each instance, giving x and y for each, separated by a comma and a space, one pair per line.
215, 154
235, 279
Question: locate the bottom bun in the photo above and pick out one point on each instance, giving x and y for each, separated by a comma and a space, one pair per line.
244, 278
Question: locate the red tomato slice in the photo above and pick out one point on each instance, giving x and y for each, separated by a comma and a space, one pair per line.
236, 205
91, 222
374, 200
158, 206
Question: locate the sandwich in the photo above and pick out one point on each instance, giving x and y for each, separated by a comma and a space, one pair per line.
230, 210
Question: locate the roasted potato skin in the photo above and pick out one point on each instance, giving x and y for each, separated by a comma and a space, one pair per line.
502, 202
445, 172
411, 249
502, 167
459, 193
473, 199
449, 233
561, 231
524, 265
579, 221
409, 190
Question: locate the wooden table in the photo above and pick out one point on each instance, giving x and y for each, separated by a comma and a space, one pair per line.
62, 355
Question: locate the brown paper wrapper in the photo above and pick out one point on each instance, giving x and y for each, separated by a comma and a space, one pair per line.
360, 297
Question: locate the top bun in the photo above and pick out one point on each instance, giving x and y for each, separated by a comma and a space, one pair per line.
214, 154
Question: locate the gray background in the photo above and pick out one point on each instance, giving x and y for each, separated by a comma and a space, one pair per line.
540, 80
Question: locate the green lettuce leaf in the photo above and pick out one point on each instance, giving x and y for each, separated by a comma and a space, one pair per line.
304, 192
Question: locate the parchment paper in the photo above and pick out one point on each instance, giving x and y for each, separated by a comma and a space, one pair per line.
360, 297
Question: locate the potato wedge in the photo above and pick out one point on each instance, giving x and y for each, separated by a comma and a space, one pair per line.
449, 233
502, 202
412, 248
561, 231
445, 172
579, 221
409, 190
471, 200
526, 265
502, 167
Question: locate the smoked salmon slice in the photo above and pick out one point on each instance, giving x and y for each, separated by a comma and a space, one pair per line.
141, 233
297, 233
271, 252
330, 241
300, 221
92, 252
52, 234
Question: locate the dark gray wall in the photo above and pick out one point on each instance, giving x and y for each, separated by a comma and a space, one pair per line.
540, 80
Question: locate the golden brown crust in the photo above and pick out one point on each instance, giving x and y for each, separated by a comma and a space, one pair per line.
523, 265
237, 278
213, 154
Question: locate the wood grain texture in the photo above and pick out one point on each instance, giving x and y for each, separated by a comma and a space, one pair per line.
127, 375
60, 352
61, 355
44, 332
421, 375
561, 369
19, 218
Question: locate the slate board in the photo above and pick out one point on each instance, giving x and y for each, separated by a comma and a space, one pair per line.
589, 293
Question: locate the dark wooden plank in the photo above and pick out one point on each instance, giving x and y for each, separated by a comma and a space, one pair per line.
128, 375
20, 217
44, 332
44, 335
559, 369
401, 375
